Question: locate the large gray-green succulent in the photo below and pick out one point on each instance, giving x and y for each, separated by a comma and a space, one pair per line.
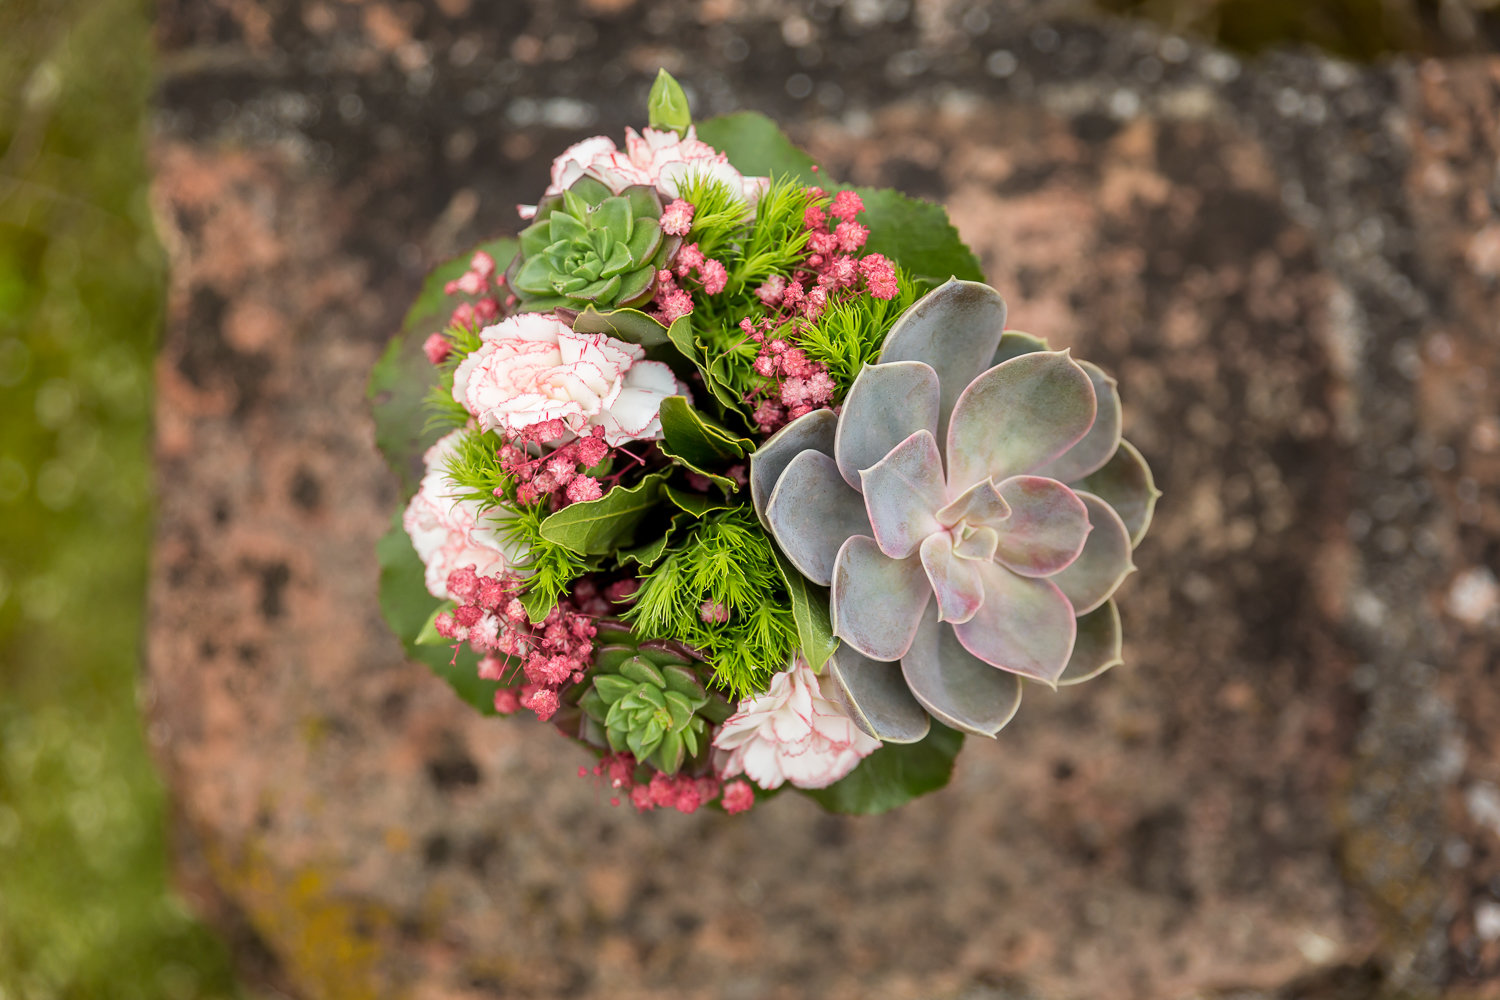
973, 508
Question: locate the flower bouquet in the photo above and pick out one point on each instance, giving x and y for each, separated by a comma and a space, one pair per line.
734, 475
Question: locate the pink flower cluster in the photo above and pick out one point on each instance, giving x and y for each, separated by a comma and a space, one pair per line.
796, 384
552, 654
559, 476
682, 792
673, 301
479, 280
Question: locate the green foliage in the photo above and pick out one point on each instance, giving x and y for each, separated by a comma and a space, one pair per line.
650, 710
917, 235
599, 527
720, 217
894, 775
551, 567
777, 242
725, 559
444, 413
757, 147
810, 612
86, 909
849, 334
474, 465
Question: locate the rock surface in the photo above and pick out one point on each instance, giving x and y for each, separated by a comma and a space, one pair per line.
1293, 787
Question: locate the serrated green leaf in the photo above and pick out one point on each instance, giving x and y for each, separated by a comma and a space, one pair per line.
430, 636
757, 147
695, 504
893, 775
647, 556
810, 611
917, 235
599, 527
400, 380
407, 606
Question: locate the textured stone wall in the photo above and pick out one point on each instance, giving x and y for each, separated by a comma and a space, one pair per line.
1291, 789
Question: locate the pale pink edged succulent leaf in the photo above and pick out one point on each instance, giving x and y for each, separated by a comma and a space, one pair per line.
877, 698
1125, 484
901, 491
1103, 437
979, 504
1018, 416
955, 331
1105, 560
812, 432
1047, 527
956, 687
877, 601
955, 581
885, 406
812, 511
1097, 647
1014, 343
1024, 626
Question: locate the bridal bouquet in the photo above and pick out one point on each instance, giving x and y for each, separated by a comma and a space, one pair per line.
734, 475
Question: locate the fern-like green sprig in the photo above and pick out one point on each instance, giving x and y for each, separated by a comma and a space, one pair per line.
850, 332
443, 411
720, 217
725, 561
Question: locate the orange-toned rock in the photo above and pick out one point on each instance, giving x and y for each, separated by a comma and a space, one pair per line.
1291, 786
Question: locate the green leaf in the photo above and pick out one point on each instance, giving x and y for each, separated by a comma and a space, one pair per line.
668, 105
696, 504
430, 636
630, 325
612, 687
757, 147
810, 612
680, 333
917, 235
537, 603
402, 377
893, 775
407, 607
599, 527
646, 556
696, 438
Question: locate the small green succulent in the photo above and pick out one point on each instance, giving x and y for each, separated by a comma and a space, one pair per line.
591, 247
647, 700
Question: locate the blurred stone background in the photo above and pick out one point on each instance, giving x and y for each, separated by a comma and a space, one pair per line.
1292, 262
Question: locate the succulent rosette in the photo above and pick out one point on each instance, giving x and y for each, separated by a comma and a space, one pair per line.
733, 475
958, 569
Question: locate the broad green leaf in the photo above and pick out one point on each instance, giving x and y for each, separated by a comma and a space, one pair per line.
630, 325
810, 612
647, 555
407, 607
917, 235
599, 527
696, 504
680, 333
401, 378
430, 636
894, 775
697, 438
667, 107
757, 147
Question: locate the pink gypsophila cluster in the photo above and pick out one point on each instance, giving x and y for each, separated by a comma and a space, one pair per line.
794, 732
671, 300
796, 384
682, 792
551, 654
447, 531
557, 475
483, 282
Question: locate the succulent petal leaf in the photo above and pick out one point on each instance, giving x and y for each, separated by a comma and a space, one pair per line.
1103, 437
1104, 562
1125, 484
814, 432
1025, 626
956, 687
902, 491
877, 698
979, 504
812, 511
954, 330
956, 582
1097, 647
1018, 416
1014, 343
877, 601
886, 405
1047, 527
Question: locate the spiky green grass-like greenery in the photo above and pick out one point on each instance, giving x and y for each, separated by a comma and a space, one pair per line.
726, 560
443, 411
849, 334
